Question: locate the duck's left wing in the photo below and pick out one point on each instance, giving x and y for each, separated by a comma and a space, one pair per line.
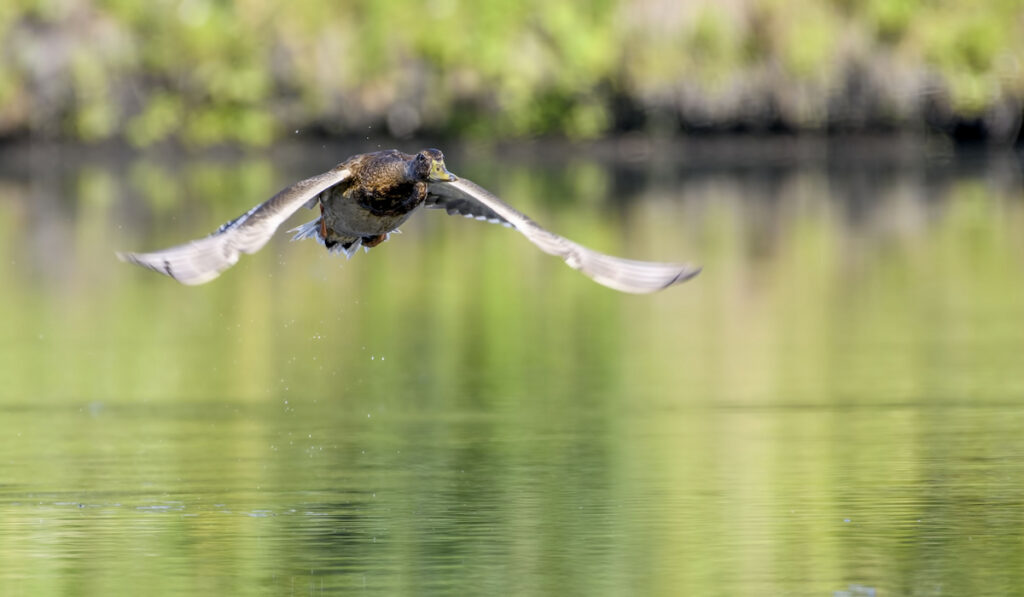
466, 197
202, 260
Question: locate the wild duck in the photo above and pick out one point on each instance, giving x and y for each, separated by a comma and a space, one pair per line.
366, 198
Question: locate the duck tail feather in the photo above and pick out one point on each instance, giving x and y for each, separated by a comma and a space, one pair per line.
308, 230
346, 248
344, 245
349, 250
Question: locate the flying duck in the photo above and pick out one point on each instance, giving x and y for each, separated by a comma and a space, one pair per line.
366, 198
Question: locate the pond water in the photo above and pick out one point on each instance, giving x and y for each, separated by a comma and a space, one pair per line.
833, 407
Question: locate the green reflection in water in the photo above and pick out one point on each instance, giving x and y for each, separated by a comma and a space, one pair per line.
835, 401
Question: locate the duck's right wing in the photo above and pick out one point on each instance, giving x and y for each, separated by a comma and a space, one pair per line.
204, 259
627, 275
462, 205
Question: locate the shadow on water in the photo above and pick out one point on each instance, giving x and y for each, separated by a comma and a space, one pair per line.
832, 407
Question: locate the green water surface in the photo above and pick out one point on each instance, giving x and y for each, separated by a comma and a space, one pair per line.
835, 404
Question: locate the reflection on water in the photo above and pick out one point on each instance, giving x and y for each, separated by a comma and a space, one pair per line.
834, 405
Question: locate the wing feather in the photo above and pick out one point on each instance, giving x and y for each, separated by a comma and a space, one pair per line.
459, 206
467, 198
202, 260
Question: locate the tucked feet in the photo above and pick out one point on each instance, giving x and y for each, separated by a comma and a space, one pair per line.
373, 241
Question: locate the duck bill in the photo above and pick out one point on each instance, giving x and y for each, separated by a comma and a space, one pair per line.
438, 173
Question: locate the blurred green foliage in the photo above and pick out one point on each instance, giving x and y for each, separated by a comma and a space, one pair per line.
250, 71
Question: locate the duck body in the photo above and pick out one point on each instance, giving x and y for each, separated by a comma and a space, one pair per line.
382, 191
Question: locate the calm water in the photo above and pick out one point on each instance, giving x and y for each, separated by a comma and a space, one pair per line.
834, 407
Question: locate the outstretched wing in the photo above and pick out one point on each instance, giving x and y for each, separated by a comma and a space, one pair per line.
466, 197
457, 205
204, 259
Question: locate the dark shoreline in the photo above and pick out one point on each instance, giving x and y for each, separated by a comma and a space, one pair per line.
704, 148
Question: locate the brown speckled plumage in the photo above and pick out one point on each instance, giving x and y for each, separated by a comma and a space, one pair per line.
379, 195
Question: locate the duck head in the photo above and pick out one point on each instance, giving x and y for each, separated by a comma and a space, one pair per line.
428, 166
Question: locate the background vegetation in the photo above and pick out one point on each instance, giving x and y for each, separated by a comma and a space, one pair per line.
252, 71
